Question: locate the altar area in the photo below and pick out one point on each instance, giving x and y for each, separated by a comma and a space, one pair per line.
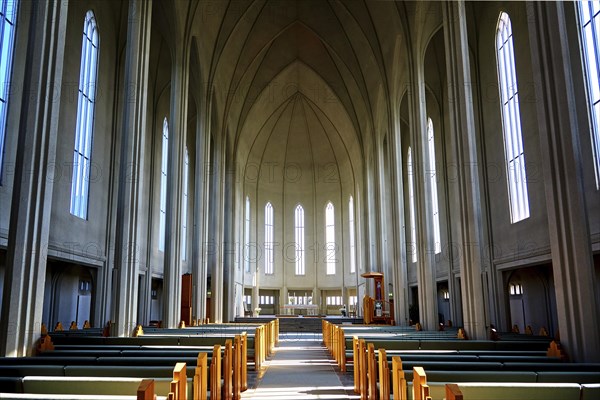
300, 309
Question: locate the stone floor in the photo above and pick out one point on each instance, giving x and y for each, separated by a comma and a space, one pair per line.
301, 368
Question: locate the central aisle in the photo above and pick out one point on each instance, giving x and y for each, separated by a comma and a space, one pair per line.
301, 368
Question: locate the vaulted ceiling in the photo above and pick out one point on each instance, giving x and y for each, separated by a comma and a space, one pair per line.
348, 60
333, 53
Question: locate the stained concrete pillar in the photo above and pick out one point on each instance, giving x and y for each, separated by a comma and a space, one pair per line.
425, 246
177, 142
199, 256
45, 23
133, 131
560, 133
464, 148
399, 277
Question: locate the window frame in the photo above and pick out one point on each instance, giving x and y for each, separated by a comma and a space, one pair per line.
299, 240
352, 233
163, 186
514, 153
86, 107
6, 64
269, 239
411, 204
435, 209
330, 246
592, 86
184, 205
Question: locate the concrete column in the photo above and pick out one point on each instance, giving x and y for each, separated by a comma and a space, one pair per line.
464, 147
133, 131
372, 254
423, 206
399, 272
199, 259
177, 140
25, 275
560, 133
216, 207
229, 272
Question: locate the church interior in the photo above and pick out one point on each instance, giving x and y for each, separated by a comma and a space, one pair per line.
409, 167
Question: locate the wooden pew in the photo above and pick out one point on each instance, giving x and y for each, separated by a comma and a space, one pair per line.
200, 378
362, 367
420, 387
399, 384
228, 371
146, 390
215, 374
384, 375
371, 372
453, 392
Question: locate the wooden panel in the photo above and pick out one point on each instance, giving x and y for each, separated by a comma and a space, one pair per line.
186, 299
180, 376
146, 390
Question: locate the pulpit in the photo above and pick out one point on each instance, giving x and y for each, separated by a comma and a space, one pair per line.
376, 309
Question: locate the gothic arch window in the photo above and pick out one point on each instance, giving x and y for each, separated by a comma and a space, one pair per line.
589, 17
184, 206
8, 21
299, 237
84, 130
511, 121
434, 193
269, 253
247, 236
163, 186
411, 205
330, 248
351, 235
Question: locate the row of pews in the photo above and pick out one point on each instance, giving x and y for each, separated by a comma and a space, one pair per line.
179, 364
383, 359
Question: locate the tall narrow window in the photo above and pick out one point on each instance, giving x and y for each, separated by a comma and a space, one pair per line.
330, 250
269, 253
247, 235
299, 236
434, 193
411, 206
163, 186
8, 20
184, 206
589, 15
511, 122
351, 226
84, 130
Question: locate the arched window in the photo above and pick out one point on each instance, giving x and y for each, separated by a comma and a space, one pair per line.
269, 253
330, 248
511, 122
184, 206
434, 193
247, 235
411, 205
351, 234
8, 21
299, 236
589, 16
163, 186
84, 130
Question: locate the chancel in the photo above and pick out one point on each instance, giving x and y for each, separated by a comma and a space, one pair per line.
219, 179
